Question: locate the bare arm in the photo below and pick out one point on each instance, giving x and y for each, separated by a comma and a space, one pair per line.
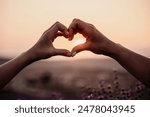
12, 67
137, 65
41, 50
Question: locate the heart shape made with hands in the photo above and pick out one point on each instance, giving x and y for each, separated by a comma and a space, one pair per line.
66, 44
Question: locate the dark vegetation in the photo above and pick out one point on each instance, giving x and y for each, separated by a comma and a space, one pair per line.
88, 79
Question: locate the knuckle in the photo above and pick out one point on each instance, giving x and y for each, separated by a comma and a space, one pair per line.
57, 23
76, 20
91, 25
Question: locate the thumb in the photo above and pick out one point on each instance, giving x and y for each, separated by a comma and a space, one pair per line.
78, 49
62, 52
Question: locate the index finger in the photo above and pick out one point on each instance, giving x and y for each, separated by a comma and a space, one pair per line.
55, 31
77, 26
60, 28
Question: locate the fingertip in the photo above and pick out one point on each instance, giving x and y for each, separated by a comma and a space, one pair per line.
66, 34
63, 52
73, 54
74, 49
70, 34
70, 37
68, 54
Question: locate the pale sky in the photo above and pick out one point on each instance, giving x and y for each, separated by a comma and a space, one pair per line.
123, 21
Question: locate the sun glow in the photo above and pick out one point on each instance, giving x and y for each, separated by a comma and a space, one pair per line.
78, 42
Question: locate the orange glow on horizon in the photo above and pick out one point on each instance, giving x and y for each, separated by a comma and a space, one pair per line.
23, 22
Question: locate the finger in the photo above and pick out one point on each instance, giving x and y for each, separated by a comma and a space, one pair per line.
62, 52
61, 34
73, 28
61, 28
78, 49
77, 26
57, 27
71, 34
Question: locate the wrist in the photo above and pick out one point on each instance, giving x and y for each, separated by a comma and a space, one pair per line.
113, 50
30, 56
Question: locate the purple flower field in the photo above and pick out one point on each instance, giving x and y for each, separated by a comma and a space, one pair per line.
89, 79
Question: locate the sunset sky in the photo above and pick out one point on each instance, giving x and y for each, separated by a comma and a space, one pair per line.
123, 21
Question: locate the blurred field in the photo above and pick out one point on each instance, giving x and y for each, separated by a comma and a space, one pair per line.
78, 79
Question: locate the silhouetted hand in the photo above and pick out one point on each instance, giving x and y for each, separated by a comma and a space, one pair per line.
137, 65
95, 41
44, 47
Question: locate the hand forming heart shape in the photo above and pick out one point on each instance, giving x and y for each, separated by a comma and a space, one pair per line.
95, 41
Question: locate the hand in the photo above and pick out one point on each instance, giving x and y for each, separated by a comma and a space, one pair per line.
44, 47
95, 41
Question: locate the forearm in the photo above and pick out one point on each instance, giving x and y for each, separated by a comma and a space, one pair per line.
137, 65
13, 67
43, 49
